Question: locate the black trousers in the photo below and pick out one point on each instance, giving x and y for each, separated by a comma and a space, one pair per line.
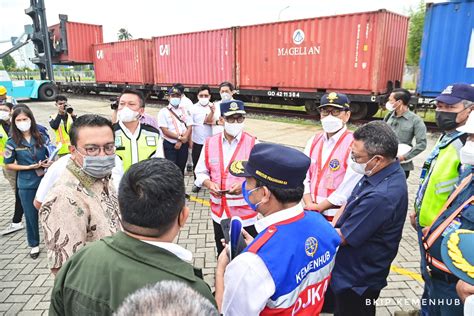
218, 235
18, 214
178, 156
197, 148
349, 303
407, 174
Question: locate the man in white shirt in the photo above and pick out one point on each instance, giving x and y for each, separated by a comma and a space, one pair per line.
286, 269
135, 141
212, 170
226, 91
200, 114
330, 181
175, 124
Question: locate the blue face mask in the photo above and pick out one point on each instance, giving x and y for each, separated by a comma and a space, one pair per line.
246, 195
175, 102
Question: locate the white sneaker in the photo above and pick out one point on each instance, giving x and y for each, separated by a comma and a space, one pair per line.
34, 253
11, 228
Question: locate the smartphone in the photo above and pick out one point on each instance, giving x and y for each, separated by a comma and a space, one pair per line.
225, 225
223, 191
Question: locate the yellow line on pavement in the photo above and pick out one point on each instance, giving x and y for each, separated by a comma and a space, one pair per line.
399, 270
408, 273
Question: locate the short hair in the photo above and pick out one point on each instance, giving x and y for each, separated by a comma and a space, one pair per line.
61, 97
151, 195
204, 87
166, 298
402, 94
378, 138
227, 84
467, 103
87, 120
179, 86
284, 195
138, 93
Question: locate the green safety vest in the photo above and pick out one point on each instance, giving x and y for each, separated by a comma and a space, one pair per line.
147, 142
444, 176
62, 135
3, 142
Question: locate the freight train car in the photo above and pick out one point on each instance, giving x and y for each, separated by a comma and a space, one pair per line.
292, 62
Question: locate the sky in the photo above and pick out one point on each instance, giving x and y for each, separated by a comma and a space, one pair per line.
147, 18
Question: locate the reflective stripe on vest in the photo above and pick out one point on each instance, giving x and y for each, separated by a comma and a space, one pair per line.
146, 145
443, 176
232, 205
62, 135
323, 179
3, 142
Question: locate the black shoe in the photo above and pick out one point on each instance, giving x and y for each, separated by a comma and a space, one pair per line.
195, 189
34, 254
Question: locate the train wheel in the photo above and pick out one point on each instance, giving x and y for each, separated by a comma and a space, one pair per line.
312, 108
358, 111
372, 108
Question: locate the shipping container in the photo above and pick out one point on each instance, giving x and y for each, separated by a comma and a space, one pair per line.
128, 62
447, 50
359, 53
72, 42
194, 59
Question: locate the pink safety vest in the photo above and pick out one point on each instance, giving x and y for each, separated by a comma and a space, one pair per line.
232, 205
325, 179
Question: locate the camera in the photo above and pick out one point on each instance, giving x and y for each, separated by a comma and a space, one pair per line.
68, 108
113, 103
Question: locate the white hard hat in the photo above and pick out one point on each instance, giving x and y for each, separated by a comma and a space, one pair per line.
469, 126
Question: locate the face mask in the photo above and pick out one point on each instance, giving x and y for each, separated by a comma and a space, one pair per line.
225, 96
24, 126
446, 120
175, 102
331, 124
233, 129
360, 167
246, 195
97, 166
127, 115
389, 106
204, 101
4, 115
467, 153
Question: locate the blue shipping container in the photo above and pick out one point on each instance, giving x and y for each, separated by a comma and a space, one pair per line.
447, 49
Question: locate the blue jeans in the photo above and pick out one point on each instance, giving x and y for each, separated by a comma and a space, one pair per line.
178, 156
446, 293
31, 216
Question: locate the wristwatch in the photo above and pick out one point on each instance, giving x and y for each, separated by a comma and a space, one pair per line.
217, 122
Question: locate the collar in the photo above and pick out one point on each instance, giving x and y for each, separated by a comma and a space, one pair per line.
236, 139
405, 115
86, 180
127, 131
177, 250
382, 174
336, 136
277, 217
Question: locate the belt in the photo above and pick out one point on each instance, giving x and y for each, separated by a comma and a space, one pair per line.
448, 278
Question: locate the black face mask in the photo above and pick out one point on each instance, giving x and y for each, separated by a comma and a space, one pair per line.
446, 120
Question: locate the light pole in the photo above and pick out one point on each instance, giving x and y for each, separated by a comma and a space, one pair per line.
279, 13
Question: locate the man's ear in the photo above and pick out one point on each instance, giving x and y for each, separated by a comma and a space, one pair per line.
183, 216
266, 195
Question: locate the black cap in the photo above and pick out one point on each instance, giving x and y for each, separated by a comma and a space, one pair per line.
337, 100
275, 165
232, 107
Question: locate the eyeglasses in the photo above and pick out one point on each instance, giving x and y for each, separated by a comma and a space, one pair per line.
231, 119
203, 95
92, 150
333, 112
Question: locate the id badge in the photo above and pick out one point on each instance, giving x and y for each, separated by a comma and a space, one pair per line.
454, 225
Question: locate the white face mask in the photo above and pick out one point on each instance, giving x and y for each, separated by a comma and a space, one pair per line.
4, 115
24, 126
360, 167
203, 101
467, 153
331, 124
233, 129
127, 115
389, 106
225, 96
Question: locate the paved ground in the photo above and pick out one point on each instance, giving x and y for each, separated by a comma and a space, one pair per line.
26, 284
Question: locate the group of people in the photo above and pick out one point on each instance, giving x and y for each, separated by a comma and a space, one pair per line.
322, 226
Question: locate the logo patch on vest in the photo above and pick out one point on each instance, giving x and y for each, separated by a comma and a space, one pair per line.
236, 167
311, 246
150, 141
118, 141
334, 165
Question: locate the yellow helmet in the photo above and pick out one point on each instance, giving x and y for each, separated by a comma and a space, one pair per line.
3, 90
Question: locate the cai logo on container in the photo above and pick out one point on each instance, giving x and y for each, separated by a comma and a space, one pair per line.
298, 36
